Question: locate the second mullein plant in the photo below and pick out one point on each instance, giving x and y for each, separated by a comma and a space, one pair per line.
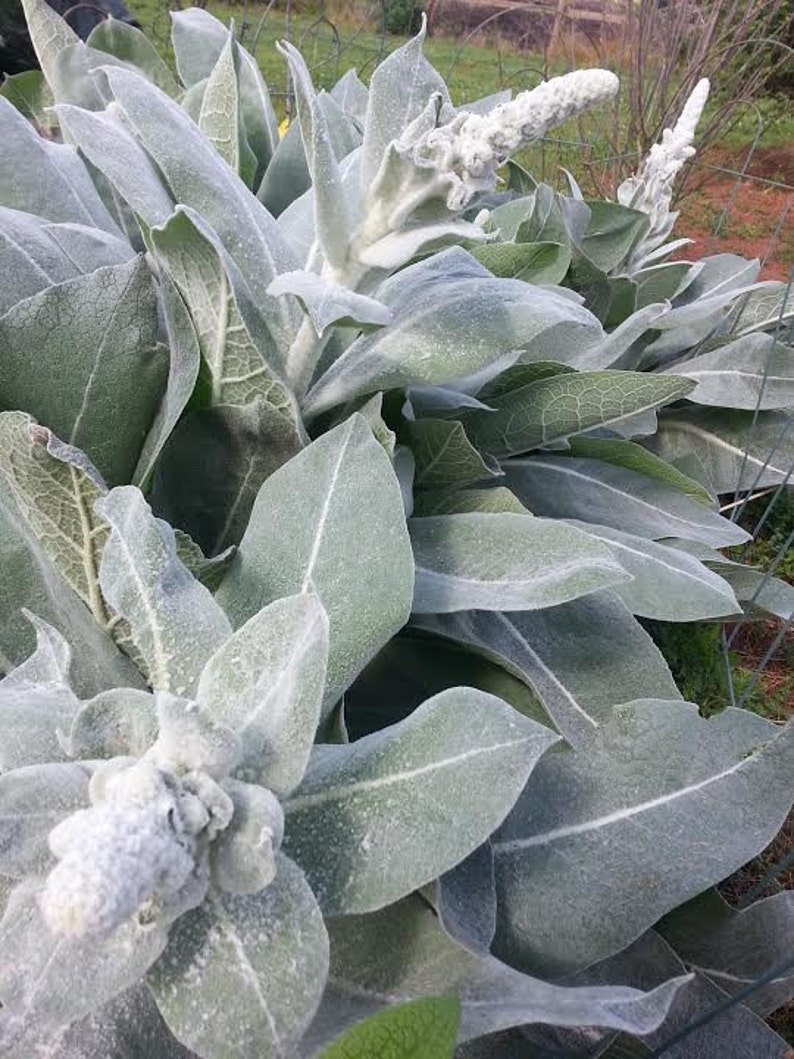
299, 437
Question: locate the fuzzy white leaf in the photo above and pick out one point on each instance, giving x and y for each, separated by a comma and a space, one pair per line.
174, 621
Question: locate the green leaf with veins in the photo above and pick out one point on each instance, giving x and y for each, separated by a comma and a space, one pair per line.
420, 1029
444, 455
174, 621
220, 116
553, 409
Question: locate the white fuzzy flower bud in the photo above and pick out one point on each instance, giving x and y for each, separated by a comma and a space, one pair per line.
135, 845
651, 189
471, 148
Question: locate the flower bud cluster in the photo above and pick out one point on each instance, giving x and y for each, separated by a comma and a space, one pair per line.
140, 840
472, 147
651, 189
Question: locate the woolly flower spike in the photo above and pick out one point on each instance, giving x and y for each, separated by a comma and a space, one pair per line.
651, 189
136, 844
472, 147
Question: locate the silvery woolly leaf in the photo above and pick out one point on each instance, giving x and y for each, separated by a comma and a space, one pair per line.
387, 805
240, 447
220, 114
423, 1029
49, 663
36, 700
666, 584
444, 455
184, 359
623, 346
47, 981
174, 621
244, 854
551, 410
110, 146
755, 371
33, 799
420, 960
213, 190
649, 961
75, 76
737, 1027
233, 342
329, 303
351, 96
127, 43
128, 1027
757, 591
734, 449
45, 178
28, 579
735, 948
766, 309
287, 183
629, 807
687, 325
611, 495
451, 319
466, 901
36, 254
198, 39
255, 965
55, 487
104, 365
442, 401
399, 90
719, 274
266, 682
121, 722
333, 509
503, 562
420, 238
331, 216
579, 659
49, 34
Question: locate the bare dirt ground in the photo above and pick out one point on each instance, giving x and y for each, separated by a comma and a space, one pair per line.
759, 221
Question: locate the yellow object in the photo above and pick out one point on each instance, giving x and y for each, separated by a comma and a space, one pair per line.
282, 129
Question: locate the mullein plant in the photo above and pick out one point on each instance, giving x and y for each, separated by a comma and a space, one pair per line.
299, 437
